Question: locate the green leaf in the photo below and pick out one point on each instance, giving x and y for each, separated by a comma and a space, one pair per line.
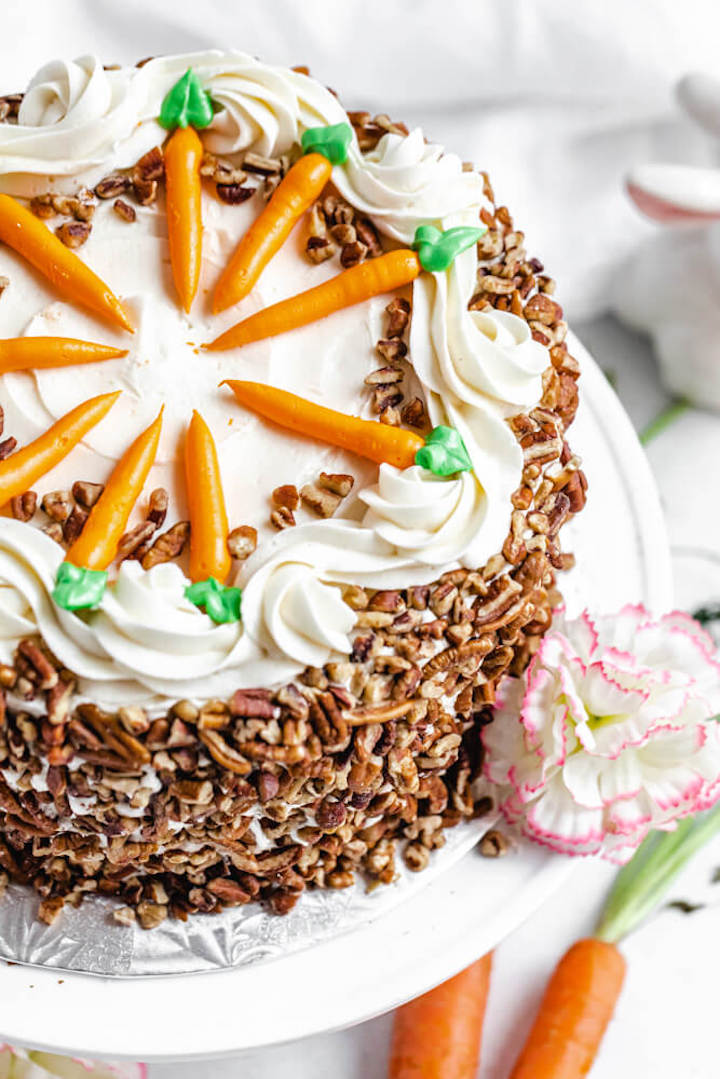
438, 250
77, 588
186, 104
331, 141
221, 604
642, 884
444, 453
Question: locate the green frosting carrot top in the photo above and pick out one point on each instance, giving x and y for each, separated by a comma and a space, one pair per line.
186, 104
331, 141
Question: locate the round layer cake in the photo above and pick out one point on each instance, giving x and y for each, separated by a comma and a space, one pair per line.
323, 720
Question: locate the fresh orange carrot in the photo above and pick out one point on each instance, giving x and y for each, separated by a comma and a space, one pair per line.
292, 197
380, 442
26, 234
19, 471
438, 1035
97, 544
574, 1013
209, 556
183, 156
383, 274
33, 353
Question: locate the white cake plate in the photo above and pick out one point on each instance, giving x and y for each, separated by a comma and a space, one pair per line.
435, 926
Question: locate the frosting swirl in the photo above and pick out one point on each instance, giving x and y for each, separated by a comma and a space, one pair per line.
145, 644
79, 89
74, 117
146, 624
16, 621
405, 182
430, 518
476, 357
297, 615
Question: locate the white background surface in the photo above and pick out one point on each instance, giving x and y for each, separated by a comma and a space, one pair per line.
556, 100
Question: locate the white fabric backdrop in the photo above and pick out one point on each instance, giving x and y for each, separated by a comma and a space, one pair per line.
556, 99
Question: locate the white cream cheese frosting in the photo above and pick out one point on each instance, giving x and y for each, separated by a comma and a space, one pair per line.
431, 518
405, 182
146, 642
80, 121
296, 615
486, 359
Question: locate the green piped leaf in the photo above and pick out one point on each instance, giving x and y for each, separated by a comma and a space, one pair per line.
186, 104
444, 453
437, 250
221, 604
77, 588
331, 141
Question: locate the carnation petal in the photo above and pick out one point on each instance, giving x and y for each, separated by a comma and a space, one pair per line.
557, 818
583, 636
622, 780
581, 775
604, 696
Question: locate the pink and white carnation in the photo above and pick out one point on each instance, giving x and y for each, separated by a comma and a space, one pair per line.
610, 732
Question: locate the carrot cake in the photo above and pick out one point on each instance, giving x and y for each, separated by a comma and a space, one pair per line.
284, 469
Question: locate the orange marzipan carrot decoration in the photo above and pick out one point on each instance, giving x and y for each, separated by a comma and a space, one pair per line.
183, 187
209, 556
97, 544
369, 438
438, 1035
26, 234
33, 353
574, 1013
383, 274
19, 471
293, 196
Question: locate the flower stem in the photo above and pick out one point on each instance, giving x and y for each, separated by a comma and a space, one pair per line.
663, 419
642, 884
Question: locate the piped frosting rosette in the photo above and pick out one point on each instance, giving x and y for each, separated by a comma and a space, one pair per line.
485, 359
405, 182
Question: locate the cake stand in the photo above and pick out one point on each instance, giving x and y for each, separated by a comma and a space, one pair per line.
391, 952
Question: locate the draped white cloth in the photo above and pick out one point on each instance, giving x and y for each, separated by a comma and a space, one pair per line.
557, 100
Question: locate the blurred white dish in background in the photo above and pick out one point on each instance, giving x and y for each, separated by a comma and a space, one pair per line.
670, 287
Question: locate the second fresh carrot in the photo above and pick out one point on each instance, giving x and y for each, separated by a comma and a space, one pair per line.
97, 544
34, 353
26, 234
578, 1004
183, 157
209, 556
438, 1035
